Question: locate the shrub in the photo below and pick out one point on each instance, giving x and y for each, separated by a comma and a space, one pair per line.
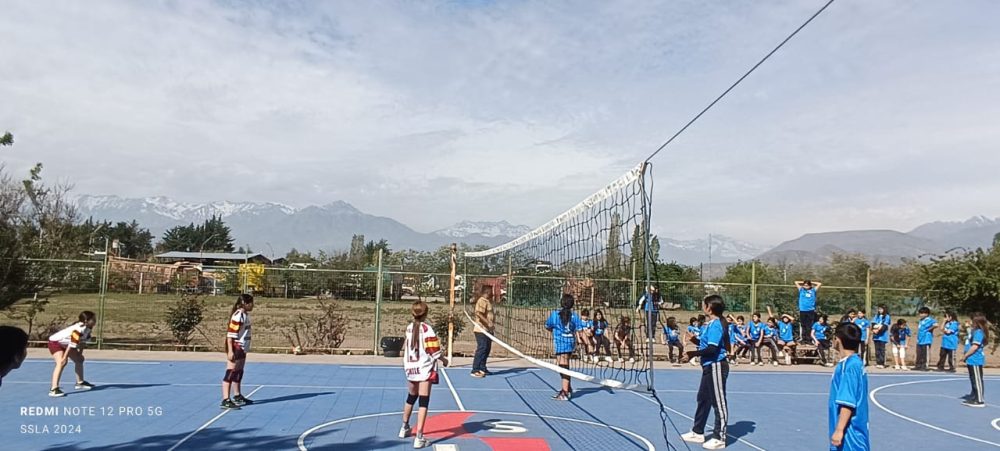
184, 316
324, 329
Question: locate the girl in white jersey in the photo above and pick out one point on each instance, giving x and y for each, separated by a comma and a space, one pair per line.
237, 345
421, 352
68, 344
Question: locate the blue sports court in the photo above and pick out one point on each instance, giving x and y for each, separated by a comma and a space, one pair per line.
171, 405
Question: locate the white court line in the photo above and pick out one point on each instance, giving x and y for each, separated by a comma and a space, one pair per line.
996, 424
872, 394
224, 412
91, 362
647, 443
453, 392
692, 419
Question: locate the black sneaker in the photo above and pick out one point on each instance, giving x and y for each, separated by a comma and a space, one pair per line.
56, 393
242, 401
84, 386
229, 404
966, 397
972, 403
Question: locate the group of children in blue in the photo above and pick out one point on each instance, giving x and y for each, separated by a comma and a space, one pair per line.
719, 339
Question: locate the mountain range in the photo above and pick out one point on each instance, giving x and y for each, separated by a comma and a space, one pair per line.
273, 229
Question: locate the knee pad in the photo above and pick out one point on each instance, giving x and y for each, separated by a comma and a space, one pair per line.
228, 377
410, 399
238, 376
424, 401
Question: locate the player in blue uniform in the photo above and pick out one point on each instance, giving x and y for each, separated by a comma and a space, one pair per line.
714, 372
848, 404
925, 337
975, 359
880, 334
864, 324
564, 324
949, 342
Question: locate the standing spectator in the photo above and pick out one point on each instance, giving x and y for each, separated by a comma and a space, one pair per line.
807, 305
925, 337
649, 304
819, 334
13, 349
898, 335
848, 406
880, 334
484, 325
600, 335
864, 325
975, 359
949, 342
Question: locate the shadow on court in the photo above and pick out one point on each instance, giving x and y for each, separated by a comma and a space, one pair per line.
507, 371
212, 438
291, 397
124, 386
741, 429
590, 390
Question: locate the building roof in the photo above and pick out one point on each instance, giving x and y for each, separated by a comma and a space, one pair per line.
226, 256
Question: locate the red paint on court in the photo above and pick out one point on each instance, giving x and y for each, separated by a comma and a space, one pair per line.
447, 425
516, 444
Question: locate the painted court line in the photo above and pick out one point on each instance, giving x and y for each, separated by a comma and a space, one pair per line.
645, 442
209, 423
996, 424
692, 419
106, 362
872, 394
453, 392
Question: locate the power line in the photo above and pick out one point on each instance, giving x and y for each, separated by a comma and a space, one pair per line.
755, 66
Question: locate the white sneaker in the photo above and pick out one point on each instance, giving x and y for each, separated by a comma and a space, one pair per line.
693, 438
788, 360
895, 367
419, 442
880, 366
781, 353
774, 362
404, 431
714, 444
905, 368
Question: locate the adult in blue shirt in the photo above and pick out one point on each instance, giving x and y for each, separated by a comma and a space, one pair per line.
949, 342
649, 304
848, 404
564, 324
925, 337
807, 306
880, 334
714, 372
975, 359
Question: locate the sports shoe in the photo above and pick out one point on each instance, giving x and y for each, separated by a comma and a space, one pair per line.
229, 404
84, 386
781, 353
774, 362
905, 368
693, 437
966, 397
828, 364
880, 366
714, 444
419, 442
478, 374
56, 393
241, 401
896, 367
972, 403
788, 359
404, 431
561, 396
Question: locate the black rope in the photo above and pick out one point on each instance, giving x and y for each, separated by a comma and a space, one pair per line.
717, 99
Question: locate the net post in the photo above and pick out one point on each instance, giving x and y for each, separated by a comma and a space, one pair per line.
868, 307
753, 285
451, 300
647, 254
378, 303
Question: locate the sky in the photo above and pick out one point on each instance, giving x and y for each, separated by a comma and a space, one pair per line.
877, 115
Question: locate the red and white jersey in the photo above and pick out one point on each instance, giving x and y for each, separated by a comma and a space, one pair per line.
239, 328
420, 362
72, 336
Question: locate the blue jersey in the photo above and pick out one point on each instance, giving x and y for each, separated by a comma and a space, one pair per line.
949, 335
863, 323
977, 358
649, 303
755, 329
599, 327
671, 334
586, 323
807, 299
785, 331
883, 333
563, 335
713, 336
768, 331
849, 388
735, 334
694, 330
820, 330
925, 335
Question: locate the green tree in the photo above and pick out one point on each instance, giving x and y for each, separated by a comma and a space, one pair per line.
966, 283
211, 236
613, 252
358, 254
133, 240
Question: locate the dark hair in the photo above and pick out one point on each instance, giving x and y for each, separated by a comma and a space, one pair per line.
900, 322
885, 310
924, 310
599, 312
807, 282
979, 322
701, 318
717, 306
772, 320
849, 311
741, 318
86, 315
672, 322
15, 345
755, 315
567, 308
485, 289
694, 319
241, 301
950, 314
419, 311
862, 311
849, 335
585, 312
825, 318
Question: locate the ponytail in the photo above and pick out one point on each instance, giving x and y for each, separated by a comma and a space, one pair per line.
419, 311
717, 306
241, 301
567, 309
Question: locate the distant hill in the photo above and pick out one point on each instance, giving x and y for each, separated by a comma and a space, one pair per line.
972, 233
887, 246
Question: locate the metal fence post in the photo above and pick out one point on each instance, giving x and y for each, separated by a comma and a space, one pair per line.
378, 304
103, 295
753, 286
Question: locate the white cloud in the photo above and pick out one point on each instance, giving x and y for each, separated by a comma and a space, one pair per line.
878, 115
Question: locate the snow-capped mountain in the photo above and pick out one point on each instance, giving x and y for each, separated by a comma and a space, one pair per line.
483, 229
724, 249
977, 231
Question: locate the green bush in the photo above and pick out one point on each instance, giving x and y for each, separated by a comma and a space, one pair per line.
184, 316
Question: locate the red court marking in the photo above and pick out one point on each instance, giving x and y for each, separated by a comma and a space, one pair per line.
448, 425
516, 444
